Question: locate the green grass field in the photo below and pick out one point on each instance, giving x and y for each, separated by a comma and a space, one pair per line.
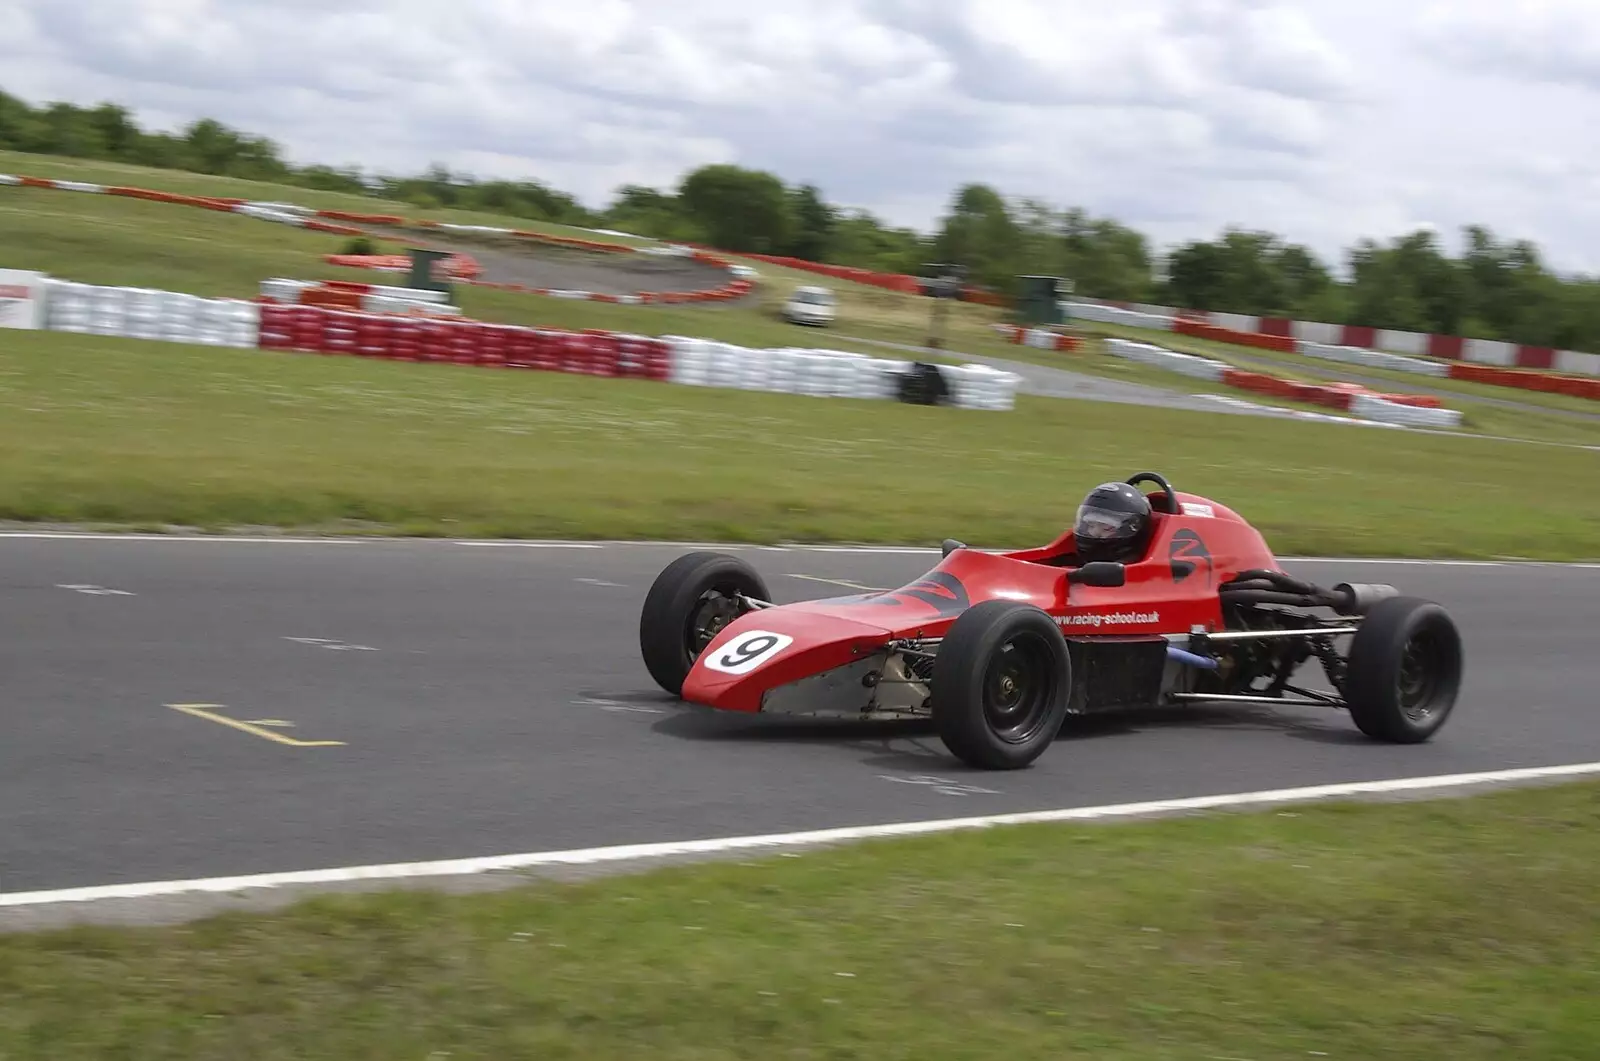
1462, 929
126, 432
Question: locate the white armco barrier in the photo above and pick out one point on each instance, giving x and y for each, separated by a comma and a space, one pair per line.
1127, 318
1171, 360
1377, 408
1356, 355
140, 313
1294, 414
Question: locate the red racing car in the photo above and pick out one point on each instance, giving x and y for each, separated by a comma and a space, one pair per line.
999, 648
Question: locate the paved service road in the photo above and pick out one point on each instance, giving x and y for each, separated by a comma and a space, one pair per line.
490, 699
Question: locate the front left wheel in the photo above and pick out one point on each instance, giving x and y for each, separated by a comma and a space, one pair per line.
1001, 684
689, 603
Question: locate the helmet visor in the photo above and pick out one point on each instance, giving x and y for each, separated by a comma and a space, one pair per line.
1106, 525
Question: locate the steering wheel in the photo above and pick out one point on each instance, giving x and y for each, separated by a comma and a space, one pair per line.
1159, 480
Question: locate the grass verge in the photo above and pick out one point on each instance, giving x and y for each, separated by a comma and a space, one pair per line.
1460, 928
104, 431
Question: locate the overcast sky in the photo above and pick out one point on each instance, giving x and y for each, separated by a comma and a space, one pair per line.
1324, 120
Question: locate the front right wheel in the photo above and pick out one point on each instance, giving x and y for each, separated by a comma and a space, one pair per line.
1404, 670
1001, 684
687, 606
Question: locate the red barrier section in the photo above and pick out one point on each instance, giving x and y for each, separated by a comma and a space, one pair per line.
1539, 357
1446, 347
457, 266
1328, 395
1283, 344
1573, 386
322, 330
277, 327
1019, 333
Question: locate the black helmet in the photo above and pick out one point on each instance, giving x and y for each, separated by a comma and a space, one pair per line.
1113, 523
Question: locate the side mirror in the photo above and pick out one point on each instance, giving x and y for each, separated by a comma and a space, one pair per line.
951, 545
1104, 574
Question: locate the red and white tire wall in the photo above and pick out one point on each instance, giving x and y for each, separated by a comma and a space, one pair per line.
431, 333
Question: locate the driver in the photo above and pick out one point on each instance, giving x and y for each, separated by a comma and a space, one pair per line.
1113, 524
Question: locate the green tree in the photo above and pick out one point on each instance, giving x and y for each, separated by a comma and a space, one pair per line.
813, 224
739, 209
981, 234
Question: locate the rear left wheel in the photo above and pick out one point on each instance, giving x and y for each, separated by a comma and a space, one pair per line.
1404, 670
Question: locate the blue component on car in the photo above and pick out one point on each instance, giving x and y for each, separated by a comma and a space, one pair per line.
1193, 660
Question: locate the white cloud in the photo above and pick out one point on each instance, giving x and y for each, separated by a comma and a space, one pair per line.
1551, 41
1324, 120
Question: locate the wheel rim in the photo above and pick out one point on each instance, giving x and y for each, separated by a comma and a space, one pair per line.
1017, 689
713, 611
1420, 680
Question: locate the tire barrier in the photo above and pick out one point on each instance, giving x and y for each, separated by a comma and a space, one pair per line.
838, 374
350, 333
923, 384
328, 221
142, 313
1472, 360
422, 330
1039, 338
1419, 410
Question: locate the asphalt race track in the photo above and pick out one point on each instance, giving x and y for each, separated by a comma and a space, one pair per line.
488, 698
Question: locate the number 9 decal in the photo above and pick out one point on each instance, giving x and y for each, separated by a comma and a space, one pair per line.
747, 652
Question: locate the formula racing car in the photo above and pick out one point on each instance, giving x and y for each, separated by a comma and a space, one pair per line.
998, 649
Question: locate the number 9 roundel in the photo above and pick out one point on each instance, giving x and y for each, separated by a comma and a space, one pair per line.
747, 651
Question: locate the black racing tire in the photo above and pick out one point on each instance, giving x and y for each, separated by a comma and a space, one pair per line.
993, 650
1404, 670
691, 596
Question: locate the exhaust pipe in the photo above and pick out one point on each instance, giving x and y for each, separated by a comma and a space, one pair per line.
1358, 598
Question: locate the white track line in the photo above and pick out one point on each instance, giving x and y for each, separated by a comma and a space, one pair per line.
637, 852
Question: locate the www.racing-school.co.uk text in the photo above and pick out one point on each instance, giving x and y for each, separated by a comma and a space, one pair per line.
1109, 619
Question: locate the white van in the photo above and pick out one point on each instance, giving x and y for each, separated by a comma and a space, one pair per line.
810, 305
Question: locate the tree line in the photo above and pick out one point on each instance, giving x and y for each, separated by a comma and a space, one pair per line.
1494, 289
